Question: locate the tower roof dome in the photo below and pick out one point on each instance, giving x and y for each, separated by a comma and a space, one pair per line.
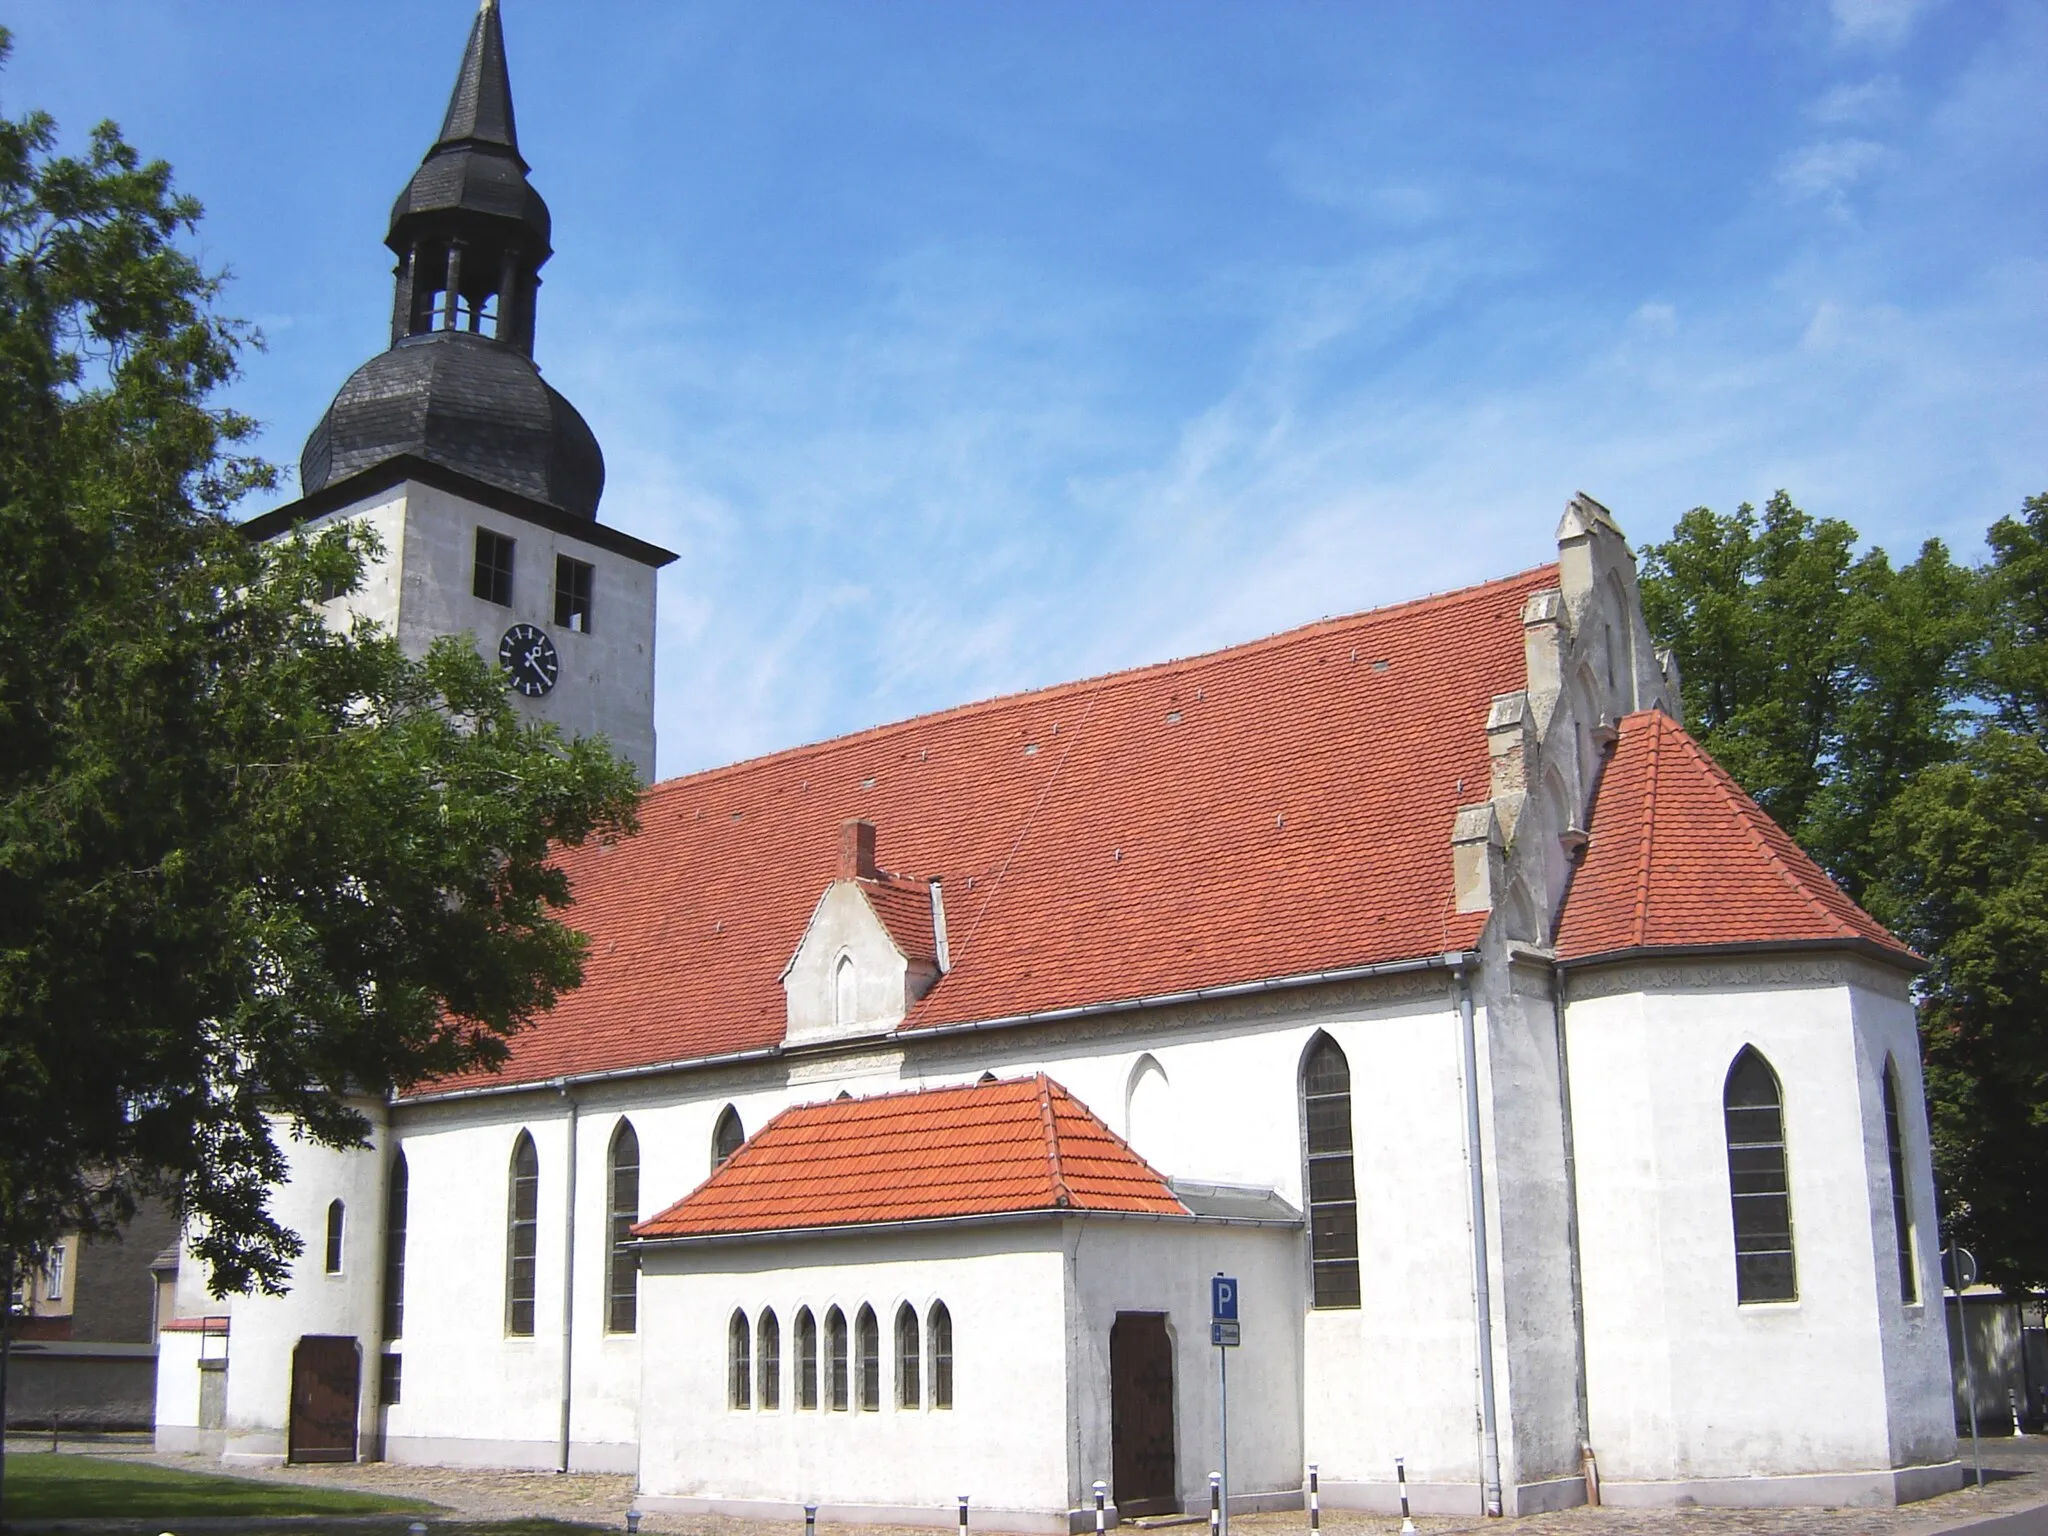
459, 387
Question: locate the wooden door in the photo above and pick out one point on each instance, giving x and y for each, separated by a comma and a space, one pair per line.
1141, 1415
326, 1378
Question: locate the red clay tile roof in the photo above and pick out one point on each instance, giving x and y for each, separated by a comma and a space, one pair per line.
904, 907
1274, 809
989, 1149
1679, 857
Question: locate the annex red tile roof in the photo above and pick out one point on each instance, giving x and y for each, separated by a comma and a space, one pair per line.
904, 907
998, 1148
1278, 808
1678, 856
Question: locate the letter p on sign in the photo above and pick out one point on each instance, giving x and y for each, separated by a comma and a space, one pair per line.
1223, 1298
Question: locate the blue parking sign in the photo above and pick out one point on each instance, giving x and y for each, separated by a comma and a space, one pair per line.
1223, 1298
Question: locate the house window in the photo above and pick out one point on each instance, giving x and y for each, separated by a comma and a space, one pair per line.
806, 1359
740, 1374
770, 1360
845, 993
1902, 1204
622, 1315
390, 1378
835, 1361
909, 1388
1332, 1188
867, 1344
335, 1217
522, 1238
1758, 1185
53, 1274
493, 567
726, 1137
396, 1198
939, 1325
572, 594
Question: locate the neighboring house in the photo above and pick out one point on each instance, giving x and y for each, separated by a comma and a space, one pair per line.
85, 1329
1414, 968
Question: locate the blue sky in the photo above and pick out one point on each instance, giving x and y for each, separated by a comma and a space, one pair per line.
960, 348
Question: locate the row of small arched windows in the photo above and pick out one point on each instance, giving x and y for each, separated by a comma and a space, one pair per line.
1759, 1179
844, 1375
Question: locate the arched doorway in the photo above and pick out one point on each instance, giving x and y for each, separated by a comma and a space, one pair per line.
327, 1374
1141, 1434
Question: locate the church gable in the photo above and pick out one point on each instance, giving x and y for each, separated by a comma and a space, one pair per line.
871, 949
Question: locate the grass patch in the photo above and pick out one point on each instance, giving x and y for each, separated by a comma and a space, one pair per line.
46, 1486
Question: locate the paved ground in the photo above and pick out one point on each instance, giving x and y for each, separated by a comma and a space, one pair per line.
2016, 1480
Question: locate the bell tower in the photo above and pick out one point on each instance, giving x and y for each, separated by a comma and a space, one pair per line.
480, 479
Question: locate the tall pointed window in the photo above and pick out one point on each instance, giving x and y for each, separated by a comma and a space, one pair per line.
769, 1356
1332, 1185
845, 993
622, 1312
835, 1361
739, 1376
1902, 1202
867, 1348
909, 1389
727, 1136
395, 1200
806, 1359
939, 1325
336, 1217
1759, 1185
522, 1237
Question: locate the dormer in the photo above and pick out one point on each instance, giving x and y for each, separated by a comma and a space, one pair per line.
875, 944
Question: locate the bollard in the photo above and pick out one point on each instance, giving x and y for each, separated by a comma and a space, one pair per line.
1215, 1504
1101, 1491
632, 1522
1315, 1499
1401, 1477
810, 1520
963, 1515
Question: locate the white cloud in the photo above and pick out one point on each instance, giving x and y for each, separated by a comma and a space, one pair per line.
1865, 101
1883, 23
1827, 171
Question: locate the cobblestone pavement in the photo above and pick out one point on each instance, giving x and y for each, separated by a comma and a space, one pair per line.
2016, 1478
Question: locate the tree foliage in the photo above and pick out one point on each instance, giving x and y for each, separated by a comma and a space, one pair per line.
254, 864
1895, 720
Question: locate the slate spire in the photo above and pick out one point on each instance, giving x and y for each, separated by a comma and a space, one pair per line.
480, 109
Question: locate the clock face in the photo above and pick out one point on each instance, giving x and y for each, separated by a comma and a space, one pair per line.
529, 655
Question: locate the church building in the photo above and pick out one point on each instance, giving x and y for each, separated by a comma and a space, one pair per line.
1559, 1122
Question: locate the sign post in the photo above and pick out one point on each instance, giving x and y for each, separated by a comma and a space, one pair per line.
1223, 1333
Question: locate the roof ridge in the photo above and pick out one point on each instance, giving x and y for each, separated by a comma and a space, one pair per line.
1748, 812
1094, 682
1062, 1196
1649, 833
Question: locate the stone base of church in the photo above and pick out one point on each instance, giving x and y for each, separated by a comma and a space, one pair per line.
188, 1440
1041, 1522
1455, 1498
537, 1455
1836, 1490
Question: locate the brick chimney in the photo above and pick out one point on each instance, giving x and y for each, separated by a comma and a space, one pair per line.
856, 850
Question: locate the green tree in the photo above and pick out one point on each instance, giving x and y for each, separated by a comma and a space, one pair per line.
1821, 679
1964, 860
252, 864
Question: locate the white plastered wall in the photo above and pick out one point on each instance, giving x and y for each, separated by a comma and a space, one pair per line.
1688, 1390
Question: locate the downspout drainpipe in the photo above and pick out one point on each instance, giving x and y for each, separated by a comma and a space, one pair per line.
1482, 1291
568, 1274
1558, 1001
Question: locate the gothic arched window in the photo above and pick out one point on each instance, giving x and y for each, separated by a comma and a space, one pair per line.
522, 1237
909, 1388
726, 1137
739, 1376
769, 1359
845, 993
939, 1328
1902, 1201
1759, 1186
622, 1311
835, 1361
806, 1359
397, 1194
336, 1217
867, 1348
1332, 1184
